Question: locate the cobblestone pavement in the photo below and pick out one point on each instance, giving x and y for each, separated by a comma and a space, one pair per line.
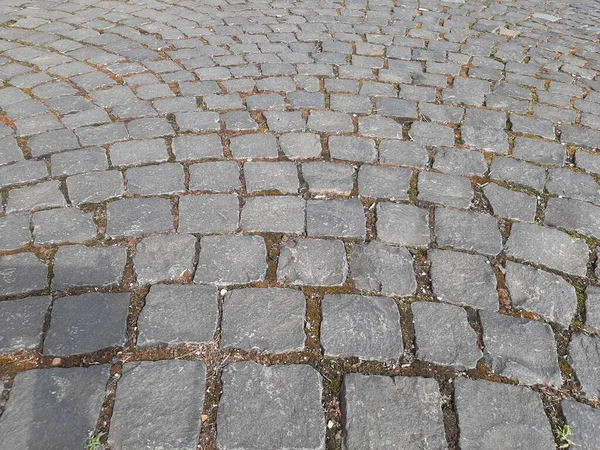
247, 224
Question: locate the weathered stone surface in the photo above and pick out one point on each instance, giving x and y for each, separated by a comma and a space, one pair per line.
77, 266
280, 214
573, 215
86, 323
270, 320
231, 260
53, 409
592, 311
158, 404
22, 323
567, 183
384, 182
467, 230
335, 218
541, 292
56, 226
300, 145
403, 153
365, 327
95, 187
312, 262
520, 348
511, 204
269, 176
258, 402
463, 279
445, 189
260, 145
134, 216
352, 148
403, 225
39, 196
443, 335
164, 258
584, 422
214, 213
14, 231
22, 272
584, 353
217, 176
500, 416
392, 413
156, 179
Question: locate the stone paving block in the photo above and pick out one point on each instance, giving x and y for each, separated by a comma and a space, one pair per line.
429, 133
484, 130
79, 161
22, 172
87, 323
590, 162
279, 121
539, 151
187, 148
445, 189
158, 179
53, 409
520, 348
265, 102
39, 196
102, 134
352, 148
379, 127
214, 213
511, 204
328, 178
147, 128
392, 412
138, 152
270, 320
158, 403
164, 258
500, 416
312, 262
531, 125
403, 153
584, 421
231, 260
239, 121
197, 121
566, 183
592, 311
175, 314
135, 216
549, 247
51, 142
443, 335
311, 100
401, 109
360, 104
363, 327
259, 145
14, 231
95, 187
22, 323
274, 214
9, 152
77, 266
518, 172
300, 145
259, 401
467, 230
383, 269
541, 292
384, 182
335, 218
56, 226
402, 225
584, 355
459, 162
271, 176
330, 122
216, 176
462, 279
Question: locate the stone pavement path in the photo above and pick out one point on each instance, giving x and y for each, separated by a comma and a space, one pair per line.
253, 224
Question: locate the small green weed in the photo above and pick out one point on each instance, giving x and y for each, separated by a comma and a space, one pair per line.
563, 435
93, 443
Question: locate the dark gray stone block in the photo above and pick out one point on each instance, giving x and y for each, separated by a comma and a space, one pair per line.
584, 353
22, 272
164, 258
584, 421
22, 323
135, 216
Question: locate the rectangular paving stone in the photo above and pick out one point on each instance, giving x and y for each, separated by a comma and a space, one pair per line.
335, 218
467, 230
22, 172
270, 320
166, 178
500, 416
198, 121
549, 247
280, 121
271, 176
215, 176
330, 122
511, 204
175, 314
328, 178
95, 187
39, 196
189, 148
260, 401
402, 224
9, 152
539, 151
102, 134
429, 133
518, 172
359, 326
402, 153
134, 216
584, 421
208, 213
78, 161
445, 189
584, 356
87, 323
51, 142
158, 403
274, 214
379, 127
14, 231
568, 183
392, 412
138, 152
231, 260
384, 182
312, 262
352, 148
300, 145
259, 145
56, 226
53, 409
164, 258
485, 130
459, 162
22, 323
573, 215
77, 266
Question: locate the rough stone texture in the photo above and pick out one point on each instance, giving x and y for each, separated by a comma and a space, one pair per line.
164, 258
53, 409
131, 217
384, 182
14, 231
584, 422
573, 215
231, 260
86, 323
520, 348
312, 262
392, 413
158, 404
584, 353
282, 214
380, 268
403, 225
258, 402
511, 204
500, 416
77, 266
445, 189
328, 178
467, 230
335, 218
268, 176
300, 145
552, 248
57, 226
218, 176
21, 323
270, 320
463, 279
95, 187
22, 272
352, 148
214, 213
443, 335
175, 314
365, 327
541, 292
592, 312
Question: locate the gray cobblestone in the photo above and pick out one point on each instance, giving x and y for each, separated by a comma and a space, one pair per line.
352, 148
467, 230
134, 216
584, 421
215, 213
511, 204
584, 353
164, 258
14, 231
281, 214
79, 161
56, 226
95, 187
328, 178
300, 146
22, 323
188, 148
335, 218
268, 176
312, 262
446, 189
217, 176
254, 146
